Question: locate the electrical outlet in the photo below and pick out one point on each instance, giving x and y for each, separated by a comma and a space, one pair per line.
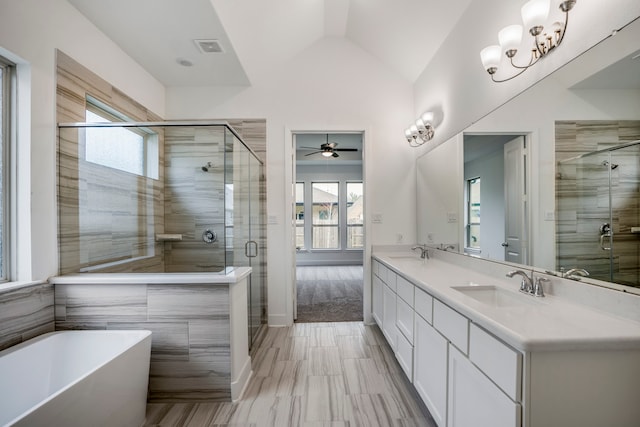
430, 238
399, 238
452, 217
376, 218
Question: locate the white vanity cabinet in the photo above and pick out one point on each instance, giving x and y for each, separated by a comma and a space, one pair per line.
454, 365
473, 400
430, 368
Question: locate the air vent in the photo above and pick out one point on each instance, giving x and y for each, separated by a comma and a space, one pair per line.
209, 46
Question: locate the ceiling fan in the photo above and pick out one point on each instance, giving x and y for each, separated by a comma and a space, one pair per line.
328, 149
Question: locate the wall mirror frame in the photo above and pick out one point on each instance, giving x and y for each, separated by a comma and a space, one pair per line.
591, 88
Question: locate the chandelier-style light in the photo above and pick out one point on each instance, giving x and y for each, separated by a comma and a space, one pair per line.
534, 17
420, 132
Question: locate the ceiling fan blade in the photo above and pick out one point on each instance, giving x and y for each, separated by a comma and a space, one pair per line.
315, 152
307, 148
332, 144
345, 149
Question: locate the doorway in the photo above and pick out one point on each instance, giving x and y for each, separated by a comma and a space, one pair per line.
496, 197
329, 227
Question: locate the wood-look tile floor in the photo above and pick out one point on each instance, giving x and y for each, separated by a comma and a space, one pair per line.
312, 374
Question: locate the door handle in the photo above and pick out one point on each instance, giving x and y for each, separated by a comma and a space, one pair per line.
248, 246
504, 245
602, 237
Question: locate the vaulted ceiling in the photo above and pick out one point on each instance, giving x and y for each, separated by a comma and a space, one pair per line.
259, 36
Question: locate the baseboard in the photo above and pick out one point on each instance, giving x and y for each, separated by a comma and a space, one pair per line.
240, 384
279, 320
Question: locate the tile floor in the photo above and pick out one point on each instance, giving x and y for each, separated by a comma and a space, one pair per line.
312, 374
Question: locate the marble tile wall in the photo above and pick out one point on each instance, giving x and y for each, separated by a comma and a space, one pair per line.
582, 198
105, 215
190, 350
25, 313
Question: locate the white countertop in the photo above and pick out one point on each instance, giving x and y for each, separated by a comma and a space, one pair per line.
234, 276
545, 324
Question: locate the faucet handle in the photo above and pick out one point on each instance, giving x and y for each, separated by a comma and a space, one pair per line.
538, 289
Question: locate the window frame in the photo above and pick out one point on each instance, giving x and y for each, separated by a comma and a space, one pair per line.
7, 115
470, 222
337, 226
350, 226
149, 147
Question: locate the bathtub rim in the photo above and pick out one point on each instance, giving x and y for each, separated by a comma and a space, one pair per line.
144, 334
238, 274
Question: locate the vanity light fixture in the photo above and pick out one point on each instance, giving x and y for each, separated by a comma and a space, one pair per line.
420, 132
534, 17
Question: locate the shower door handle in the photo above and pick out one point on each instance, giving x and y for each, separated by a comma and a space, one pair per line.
605, 233
251, 249
602, 246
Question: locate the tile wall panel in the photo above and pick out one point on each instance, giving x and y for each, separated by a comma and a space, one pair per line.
190, 349
582, 198
25, 313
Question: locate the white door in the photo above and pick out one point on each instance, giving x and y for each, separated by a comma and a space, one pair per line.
515, 193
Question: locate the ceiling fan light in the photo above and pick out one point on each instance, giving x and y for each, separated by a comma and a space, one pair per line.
327, 153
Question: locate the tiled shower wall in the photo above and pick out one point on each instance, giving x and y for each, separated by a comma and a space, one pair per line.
186, 202
105, 215
582, 206
25, 313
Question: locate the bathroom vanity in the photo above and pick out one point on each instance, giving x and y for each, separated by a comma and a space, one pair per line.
480, 353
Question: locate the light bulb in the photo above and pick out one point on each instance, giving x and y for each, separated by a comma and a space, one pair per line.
491, 58
534, 15
327, 153
427, 117
510, 38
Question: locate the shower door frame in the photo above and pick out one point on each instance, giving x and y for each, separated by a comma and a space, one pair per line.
608, 235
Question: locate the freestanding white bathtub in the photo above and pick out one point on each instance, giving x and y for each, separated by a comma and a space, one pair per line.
76, 378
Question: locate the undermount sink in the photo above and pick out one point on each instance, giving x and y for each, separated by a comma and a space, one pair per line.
406, 257
496, 297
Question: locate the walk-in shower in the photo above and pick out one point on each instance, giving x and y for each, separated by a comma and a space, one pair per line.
598, 211
161, 197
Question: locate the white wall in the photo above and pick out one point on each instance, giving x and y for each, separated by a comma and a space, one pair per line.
455, 85
535, 112
30, 31
331, 86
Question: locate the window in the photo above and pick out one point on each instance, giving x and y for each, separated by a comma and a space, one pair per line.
300, 215
127, 149
473, 212
355, 218
325, 223
7, 73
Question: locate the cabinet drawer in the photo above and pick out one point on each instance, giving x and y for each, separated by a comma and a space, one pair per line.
423, 305
375, 266
473, 400
498, 361
404, 289
392, 277
382, 272
404, 319
404, 354
452, 325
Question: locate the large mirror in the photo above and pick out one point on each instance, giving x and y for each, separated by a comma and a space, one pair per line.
552, 178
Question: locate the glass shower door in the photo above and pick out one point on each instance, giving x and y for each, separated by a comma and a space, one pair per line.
624, 167
247, 227
598, 201
584, 231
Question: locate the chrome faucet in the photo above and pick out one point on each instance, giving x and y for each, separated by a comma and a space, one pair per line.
526, 285
576, 273
424, 252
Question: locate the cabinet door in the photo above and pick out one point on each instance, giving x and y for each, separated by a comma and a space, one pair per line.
377, 300
474, 401
430, 369
389, 316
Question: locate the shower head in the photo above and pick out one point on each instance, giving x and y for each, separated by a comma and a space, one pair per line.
606, 164
206, 167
